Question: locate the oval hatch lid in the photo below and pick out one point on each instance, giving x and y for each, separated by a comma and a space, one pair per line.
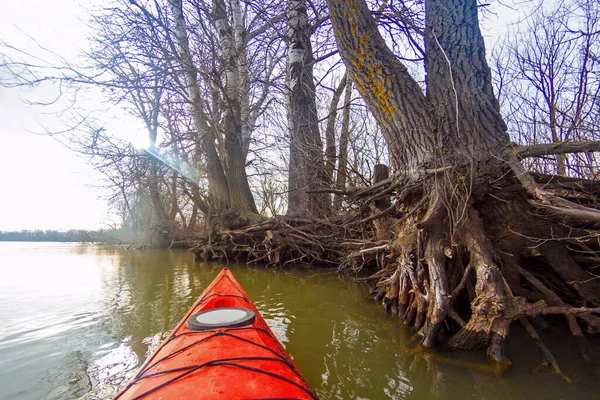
224, 317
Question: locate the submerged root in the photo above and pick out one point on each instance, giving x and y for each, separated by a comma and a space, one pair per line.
473, 307
549, 359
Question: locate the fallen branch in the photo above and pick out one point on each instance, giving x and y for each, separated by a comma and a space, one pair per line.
369, 189
571, 310
569, 209
548, 200
545, 149
347, 192
565, 182
381, 214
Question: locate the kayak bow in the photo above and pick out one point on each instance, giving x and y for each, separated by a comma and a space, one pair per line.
222, 348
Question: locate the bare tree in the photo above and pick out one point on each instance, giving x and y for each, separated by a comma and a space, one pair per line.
459, 184
549, 87
218, 185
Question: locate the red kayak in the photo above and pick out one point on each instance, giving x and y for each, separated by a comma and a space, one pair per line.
221, 349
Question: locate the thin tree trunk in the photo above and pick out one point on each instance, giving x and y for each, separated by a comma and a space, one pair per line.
330, 147
561, 159
342, 168
174, 206
240, 39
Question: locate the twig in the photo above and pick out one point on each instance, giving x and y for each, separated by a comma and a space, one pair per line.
370, 250
451, 81
410, 213
381, 214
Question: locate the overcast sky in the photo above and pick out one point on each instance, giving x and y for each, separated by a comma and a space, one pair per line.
44, 184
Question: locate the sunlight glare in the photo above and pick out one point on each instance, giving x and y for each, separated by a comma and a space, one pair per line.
139, 140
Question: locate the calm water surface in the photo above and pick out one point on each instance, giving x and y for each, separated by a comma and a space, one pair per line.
76, 320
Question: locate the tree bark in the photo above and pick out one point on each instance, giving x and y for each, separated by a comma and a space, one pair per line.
217, 181
385, 84
459, 84
241, 199
306, 167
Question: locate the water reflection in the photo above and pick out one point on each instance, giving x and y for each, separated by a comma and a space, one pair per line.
78, 320
112, 366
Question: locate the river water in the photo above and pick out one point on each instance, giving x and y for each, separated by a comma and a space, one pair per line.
76, 320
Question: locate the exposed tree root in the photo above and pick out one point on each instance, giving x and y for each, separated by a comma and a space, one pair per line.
462, 282
457, 268
283, 240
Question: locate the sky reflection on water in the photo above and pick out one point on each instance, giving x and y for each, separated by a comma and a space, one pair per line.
77, 320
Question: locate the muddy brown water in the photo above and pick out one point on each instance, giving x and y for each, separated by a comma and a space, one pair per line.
76, 320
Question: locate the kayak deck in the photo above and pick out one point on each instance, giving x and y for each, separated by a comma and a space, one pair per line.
220, 362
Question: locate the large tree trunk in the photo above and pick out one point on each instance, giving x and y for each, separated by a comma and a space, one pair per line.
450, 151
236, 144
217, 182
306, 167
468, 116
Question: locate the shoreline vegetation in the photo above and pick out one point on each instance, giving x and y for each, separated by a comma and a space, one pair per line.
108, 236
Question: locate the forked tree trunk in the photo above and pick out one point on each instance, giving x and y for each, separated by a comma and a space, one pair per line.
160, 231
306, 167
450, 149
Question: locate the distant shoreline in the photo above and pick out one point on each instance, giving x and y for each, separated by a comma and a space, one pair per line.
73, 235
